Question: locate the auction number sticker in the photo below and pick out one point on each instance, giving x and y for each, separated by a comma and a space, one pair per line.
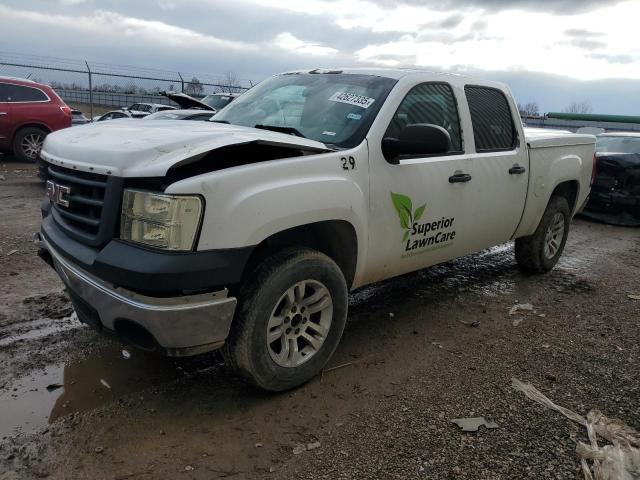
352, 99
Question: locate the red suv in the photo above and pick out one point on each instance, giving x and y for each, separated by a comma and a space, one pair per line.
28, 112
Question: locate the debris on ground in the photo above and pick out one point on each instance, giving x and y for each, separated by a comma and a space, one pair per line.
126, 355
105, 384
517, 321
327, 370
298, 449
189, 468
474, 423
634, 297
474, 324
99, 449
54, 386
521, 307
11, 252
619, 461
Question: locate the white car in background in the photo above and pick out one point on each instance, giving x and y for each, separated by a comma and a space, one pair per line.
139, 110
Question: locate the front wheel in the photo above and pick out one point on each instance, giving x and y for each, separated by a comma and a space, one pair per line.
290, 318
539, 253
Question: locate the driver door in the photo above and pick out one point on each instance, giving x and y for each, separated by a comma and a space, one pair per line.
419, 210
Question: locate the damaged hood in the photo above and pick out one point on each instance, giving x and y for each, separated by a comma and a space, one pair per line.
132, 148
185, 101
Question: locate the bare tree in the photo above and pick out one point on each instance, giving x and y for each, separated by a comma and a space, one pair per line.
530, 109
231, 83
194, 87
578, 107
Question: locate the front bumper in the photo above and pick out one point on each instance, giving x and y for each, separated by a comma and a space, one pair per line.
176, 326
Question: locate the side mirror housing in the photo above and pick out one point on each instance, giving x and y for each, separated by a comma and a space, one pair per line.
416, 139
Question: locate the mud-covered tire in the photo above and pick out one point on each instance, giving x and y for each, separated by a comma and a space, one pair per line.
247, 350
27, 143
531, 255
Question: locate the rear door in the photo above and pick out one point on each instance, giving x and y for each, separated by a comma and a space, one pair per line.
5, 117
500, 167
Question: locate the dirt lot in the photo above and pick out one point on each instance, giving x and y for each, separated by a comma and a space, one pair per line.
418, 351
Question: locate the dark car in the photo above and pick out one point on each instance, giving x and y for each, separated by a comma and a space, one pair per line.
28, 112
214, 102
78, 118
615, 194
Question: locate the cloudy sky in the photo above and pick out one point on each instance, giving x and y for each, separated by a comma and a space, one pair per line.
549, 51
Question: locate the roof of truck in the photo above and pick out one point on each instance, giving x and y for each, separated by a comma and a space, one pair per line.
399, 73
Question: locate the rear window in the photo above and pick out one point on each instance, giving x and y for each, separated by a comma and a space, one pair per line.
493, 127
19, 93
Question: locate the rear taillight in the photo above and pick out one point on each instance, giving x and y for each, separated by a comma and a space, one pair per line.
593, 170
66, 110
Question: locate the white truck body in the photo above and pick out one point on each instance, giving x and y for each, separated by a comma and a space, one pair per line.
250, 202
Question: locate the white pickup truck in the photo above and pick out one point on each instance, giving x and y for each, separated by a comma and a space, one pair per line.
249, 231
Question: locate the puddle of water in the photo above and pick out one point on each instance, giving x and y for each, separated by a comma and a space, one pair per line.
26, 405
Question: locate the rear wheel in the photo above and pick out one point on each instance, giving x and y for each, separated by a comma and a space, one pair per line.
539, 253
28, 143
291, 315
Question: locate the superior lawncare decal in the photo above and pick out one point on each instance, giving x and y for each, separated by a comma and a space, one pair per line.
420, 235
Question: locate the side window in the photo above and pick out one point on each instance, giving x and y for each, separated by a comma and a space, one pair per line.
4, 92
432, 103
493, 127
19, 93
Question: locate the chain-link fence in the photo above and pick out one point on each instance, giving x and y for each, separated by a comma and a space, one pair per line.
94, 87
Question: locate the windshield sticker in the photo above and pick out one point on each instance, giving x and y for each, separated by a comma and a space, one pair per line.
352, 99
332, 134
354, 116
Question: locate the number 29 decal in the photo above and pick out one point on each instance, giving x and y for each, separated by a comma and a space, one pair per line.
348, 163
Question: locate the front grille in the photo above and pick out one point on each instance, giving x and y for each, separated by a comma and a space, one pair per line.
91, 215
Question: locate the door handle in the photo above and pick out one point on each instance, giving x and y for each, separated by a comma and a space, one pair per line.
460, 177
517, 170
3, 113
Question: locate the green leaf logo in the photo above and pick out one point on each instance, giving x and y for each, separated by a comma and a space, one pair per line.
404, 207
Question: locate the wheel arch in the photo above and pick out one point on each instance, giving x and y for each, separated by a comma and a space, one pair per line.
21, 127
335, 238
568, 190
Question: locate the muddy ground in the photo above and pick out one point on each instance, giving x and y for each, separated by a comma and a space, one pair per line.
418, 351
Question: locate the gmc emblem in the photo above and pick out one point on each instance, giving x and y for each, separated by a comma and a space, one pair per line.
58, 193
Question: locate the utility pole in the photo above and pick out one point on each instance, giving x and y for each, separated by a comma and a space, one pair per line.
90, 91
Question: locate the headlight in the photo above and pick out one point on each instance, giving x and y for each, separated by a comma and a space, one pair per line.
162, 221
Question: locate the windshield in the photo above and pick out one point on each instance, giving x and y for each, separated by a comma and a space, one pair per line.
217, 101
618, 145
331, 108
